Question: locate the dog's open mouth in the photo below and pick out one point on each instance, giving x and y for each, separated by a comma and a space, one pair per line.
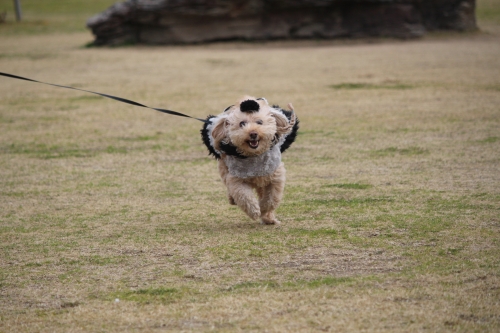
253, 144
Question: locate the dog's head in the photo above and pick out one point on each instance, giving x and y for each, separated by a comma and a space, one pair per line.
252, 126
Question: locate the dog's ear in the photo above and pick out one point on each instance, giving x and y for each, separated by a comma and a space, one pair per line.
219, 132
283, 125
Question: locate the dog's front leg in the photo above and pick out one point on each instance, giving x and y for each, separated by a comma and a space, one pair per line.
224, 172
271, 195
243, 196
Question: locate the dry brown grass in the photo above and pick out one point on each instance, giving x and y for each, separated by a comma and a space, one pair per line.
390, 220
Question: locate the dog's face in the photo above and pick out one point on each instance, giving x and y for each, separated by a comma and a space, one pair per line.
250, 126
252, 132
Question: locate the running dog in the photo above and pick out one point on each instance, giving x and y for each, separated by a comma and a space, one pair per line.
248, 139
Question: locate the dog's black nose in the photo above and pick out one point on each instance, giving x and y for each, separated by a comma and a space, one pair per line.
253, 135
249, 106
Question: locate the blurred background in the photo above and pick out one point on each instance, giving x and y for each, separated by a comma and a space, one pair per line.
51, 16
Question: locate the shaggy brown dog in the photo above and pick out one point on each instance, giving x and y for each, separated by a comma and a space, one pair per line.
248, 139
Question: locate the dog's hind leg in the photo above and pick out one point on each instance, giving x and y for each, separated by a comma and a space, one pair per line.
271, 195
242, 194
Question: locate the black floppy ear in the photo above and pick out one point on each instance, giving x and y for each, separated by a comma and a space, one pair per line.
205, 137
292, 135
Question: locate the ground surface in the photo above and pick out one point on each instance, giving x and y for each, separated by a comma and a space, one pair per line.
113, 219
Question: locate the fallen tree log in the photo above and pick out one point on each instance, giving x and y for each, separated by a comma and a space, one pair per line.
197, 21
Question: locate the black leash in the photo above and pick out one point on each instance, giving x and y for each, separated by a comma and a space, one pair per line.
119, 99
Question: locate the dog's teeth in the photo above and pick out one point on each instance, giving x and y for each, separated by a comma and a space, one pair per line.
253, 144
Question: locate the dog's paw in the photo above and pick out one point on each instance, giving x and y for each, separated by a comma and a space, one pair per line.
254, 215
231, 201
270, 220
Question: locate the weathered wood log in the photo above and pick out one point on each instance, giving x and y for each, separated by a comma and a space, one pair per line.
195, 21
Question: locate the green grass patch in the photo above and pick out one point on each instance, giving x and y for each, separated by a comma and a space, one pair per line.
142, 138
494, 87
449, 251
99, 260
329, 281
349, 186
359, 86
116, 150
34, 264
149, 295
348, 202
6, 120
488, 11
255, 285
50, 16
44, 151
392, 151
491, 139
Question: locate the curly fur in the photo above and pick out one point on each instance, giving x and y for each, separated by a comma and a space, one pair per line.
247, 139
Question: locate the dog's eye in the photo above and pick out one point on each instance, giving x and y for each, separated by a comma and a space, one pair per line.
259, 122
243, 123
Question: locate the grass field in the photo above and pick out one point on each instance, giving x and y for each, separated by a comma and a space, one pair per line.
113, 218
